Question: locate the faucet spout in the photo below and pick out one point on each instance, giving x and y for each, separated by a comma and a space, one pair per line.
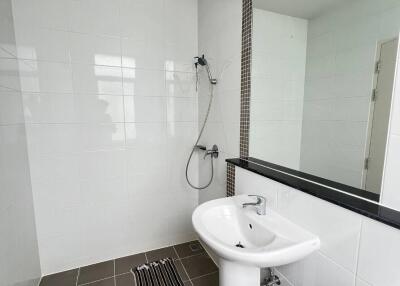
260, 205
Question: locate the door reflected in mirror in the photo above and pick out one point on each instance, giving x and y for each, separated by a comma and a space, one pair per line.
323, 92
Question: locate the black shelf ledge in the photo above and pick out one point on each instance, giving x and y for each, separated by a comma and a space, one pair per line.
369, 209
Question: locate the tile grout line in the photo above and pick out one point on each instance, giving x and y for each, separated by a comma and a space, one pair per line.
197, 277
77, 276
183, 266
94, 281
190, 256
115, 279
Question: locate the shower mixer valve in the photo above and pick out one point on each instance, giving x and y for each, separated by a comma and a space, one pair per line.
212, 152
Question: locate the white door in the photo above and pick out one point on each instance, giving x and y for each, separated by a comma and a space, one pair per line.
381, 114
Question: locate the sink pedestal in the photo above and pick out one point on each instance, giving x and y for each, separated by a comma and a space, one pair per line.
236, 274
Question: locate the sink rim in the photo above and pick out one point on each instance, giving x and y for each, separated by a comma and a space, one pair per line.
272, 254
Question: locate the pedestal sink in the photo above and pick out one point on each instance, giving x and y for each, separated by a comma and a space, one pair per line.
246, 241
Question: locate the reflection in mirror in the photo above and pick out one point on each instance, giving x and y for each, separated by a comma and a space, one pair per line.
323, 94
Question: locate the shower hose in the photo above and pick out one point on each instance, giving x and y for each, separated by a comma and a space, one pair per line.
197, 142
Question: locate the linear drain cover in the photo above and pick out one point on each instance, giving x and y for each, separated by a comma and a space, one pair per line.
239, 245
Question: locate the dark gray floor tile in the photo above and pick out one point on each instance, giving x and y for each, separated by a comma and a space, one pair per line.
105, 282
161, 253
125, 280
96, 272
208, 280
198, 265
181, 271
187, 283
66, 278
124, 264
189, 249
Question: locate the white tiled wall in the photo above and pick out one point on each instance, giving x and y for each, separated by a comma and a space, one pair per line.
19, 256
111, 110
220, 41
277, 87
355, 250
341, 52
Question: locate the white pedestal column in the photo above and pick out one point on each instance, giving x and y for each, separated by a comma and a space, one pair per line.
235, 274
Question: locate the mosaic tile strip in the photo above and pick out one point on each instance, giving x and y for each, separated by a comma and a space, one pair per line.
230, 180
247, 22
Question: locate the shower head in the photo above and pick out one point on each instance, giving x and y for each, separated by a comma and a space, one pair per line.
203, 62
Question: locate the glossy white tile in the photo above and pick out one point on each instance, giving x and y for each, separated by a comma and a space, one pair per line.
317, 270
9, 74
98, 17
379, 252
95, 50
181, 109
45, 77
147, 52
143, 82
338, 229
93, 79
145, 109
100, 108
180, 84
11, 109
96, 99
49, 108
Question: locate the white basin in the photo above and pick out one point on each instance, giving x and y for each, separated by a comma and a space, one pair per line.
269, 240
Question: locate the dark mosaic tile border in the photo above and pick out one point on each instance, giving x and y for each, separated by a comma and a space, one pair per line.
230, 180
247, 22
245, 89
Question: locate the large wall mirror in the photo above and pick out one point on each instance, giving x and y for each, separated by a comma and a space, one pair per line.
323, 91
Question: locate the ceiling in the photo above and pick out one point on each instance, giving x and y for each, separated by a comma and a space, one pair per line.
306, 9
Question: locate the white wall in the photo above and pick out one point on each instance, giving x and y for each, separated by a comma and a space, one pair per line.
111, 114
220, 29
19, 256
355, 250
277, 87
339, 80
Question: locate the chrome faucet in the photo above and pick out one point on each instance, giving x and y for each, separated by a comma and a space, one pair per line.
260, 205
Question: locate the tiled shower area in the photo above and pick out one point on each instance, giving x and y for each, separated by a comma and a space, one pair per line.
99, 111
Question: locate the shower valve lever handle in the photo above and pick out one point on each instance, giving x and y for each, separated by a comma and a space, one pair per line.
201, 147
213, 152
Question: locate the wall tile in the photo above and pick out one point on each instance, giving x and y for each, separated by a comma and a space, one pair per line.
181, 109
99, 17
96, 50
95, 102
338, 229
379, 252
11, 110
89, 79
317, 270
148, 52
42, 44
145, 109
143, 82
45, 77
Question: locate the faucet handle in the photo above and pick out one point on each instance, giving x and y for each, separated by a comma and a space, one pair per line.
260, 199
